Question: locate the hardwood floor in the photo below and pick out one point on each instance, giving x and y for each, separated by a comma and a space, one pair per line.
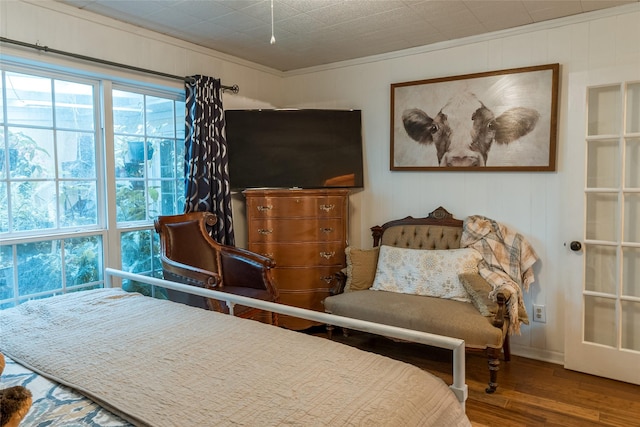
530, 392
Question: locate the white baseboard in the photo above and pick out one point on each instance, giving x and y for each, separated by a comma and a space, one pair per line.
538, 354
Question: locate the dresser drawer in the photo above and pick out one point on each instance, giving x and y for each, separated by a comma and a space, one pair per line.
299, 207
307, 254
305, 232
299, 230
308, 300
302, 280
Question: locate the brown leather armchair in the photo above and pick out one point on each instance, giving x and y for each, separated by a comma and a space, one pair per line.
189, 255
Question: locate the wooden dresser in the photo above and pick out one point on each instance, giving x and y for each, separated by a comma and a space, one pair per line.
305, 232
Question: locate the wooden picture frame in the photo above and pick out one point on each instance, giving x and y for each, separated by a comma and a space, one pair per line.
502, 120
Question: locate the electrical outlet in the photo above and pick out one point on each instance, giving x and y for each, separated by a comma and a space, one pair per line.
539, 313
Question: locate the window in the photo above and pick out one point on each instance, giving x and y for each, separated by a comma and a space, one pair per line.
149, 151
69, 188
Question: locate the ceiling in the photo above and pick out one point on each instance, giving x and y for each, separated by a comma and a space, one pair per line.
314, 32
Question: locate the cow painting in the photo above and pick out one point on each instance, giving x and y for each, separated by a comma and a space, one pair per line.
492, 121
464, 129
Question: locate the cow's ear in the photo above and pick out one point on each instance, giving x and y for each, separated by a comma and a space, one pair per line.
515, 123
418, 125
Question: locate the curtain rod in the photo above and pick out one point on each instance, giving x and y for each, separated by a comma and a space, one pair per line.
234, 88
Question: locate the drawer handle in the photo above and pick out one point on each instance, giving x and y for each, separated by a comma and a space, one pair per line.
327, 279
326, 230
264, 208
327, 255
265, 231
327, 208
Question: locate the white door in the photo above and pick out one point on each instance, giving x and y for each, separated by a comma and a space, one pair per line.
601, 221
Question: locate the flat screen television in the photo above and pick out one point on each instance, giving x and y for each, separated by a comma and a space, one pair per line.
306, 148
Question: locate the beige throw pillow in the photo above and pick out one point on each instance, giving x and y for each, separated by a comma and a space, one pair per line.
361, 268
425, 272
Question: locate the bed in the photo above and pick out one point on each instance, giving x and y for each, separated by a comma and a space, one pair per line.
127, 359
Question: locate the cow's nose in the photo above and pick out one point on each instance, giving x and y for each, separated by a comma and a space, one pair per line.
462, 161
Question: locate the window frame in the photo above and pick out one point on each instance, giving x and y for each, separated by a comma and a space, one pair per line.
107, 228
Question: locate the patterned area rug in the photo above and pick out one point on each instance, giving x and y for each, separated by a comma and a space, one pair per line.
55, 404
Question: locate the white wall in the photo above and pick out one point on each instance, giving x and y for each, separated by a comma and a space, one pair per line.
528, 202
61, 27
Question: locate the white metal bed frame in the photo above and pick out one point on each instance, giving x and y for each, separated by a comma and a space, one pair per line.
458, 387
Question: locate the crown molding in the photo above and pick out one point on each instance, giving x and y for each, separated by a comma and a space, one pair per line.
538, 26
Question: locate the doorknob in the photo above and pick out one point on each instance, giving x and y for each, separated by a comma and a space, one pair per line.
575, 246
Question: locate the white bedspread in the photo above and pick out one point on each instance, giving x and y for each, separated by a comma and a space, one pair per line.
160, 363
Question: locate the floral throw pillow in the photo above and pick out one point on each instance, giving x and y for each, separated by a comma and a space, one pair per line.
431, 273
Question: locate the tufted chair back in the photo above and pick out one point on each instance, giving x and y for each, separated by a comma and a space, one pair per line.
437, 231
422, 237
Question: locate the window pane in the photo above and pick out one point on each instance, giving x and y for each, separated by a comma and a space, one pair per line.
631, 224
161, 153
180, 162
154, 199
180, 120
4, 159
33, 155
180, 196
130, 156
6, 272
4, 208
160, 117
39, 267
156, 262
630, 325
170, 192
603, 164
633, 108
602, 212
130, 201
600, 320
33, 205
600, 265
28, 100
46, 165
140, 254
76, 154
83, 260
128, 113
631, 272
137, 251
632, 163
604, 111
163, 198
1, 98
78, 204
74, 105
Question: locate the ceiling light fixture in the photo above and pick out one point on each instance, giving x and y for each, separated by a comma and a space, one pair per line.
273, 38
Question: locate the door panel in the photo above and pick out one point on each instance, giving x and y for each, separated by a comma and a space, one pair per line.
602, 209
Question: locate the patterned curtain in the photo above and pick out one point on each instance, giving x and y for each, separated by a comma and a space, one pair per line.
206, 156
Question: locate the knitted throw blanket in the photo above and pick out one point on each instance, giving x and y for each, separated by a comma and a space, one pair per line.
507, 261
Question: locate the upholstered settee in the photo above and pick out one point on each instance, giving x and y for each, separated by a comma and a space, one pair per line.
425, 251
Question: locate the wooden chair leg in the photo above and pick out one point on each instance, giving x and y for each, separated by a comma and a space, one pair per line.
494, 367
506, 347
330, 331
